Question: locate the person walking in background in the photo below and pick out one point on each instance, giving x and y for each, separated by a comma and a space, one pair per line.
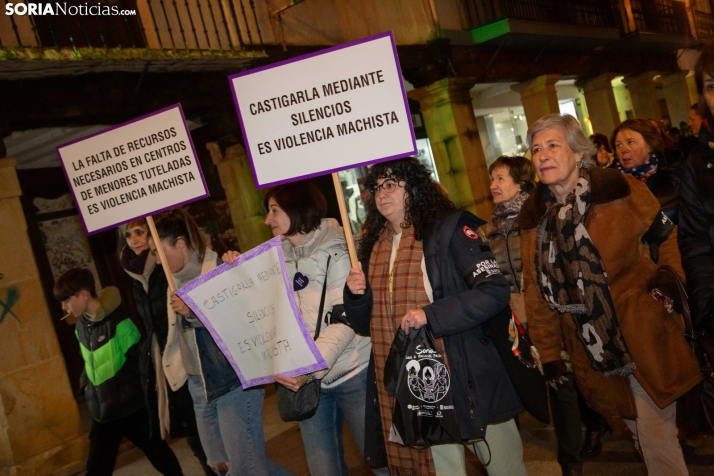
229, 418
316, 256
603, 154
109, 342
640, 153
586, 274
696, 207
423, 264
170, 412
696, 216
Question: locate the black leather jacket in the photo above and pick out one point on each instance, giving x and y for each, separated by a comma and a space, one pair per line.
696, 233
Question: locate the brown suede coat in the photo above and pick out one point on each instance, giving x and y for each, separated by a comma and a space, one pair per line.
622, 210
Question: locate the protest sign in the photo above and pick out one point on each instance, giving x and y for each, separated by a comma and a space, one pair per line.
132, 170
335, 109
250, 310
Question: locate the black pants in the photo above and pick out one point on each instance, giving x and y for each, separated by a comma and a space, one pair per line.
106, 437
194, 442
592, 420
567, 423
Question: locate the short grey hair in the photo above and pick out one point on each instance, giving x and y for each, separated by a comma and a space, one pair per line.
577, 140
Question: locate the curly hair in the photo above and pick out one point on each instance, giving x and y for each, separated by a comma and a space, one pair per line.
423, 201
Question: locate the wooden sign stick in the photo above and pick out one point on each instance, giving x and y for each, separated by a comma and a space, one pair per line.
346, 225
160, 250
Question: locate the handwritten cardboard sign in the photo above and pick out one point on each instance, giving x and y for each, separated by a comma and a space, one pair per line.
335, 109
251, 313
133, 170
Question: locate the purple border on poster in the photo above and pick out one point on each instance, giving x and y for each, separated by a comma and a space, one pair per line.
109, 129
247, 256
312, 55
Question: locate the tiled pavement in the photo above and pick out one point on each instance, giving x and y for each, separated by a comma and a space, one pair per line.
284, 446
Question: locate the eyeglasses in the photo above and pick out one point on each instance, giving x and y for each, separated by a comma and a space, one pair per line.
388, 186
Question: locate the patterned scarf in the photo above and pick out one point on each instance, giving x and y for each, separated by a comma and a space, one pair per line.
573, 279
505, 215
641, 172
407, 293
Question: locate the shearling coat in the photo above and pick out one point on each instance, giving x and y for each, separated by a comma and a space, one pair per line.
621, 211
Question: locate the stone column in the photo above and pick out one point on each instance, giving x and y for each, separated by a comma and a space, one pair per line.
692, 87
244, 200
676, 92
538, 96
451, 126
600, 99
40, 429
644, 97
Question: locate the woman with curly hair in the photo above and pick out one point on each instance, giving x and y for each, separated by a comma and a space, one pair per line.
422, 263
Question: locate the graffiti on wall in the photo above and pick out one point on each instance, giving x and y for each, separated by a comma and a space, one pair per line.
6, 304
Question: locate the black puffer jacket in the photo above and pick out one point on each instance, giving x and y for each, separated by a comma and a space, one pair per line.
110, 349
151, 307
696, 232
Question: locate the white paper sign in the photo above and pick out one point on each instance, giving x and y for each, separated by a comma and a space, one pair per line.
332, 110
250, 310
132, 170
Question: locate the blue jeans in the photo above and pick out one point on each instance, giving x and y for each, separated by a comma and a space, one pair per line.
322, 434
231, 430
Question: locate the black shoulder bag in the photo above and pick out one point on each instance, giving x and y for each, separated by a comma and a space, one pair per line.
301, 405
695, 409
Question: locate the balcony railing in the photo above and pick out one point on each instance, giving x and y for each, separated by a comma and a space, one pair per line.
704, 23
596, 13
206, 25
660, 16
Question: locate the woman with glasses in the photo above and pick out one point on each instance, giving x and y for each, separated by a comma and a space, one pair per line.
423, 263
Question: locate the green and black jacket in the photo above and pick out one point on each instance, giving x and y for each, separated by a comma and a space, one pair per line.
111, 365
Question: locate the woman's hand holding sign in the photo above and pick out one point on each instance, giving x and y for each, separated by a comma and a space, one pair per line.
179, 306
230, 256
356, 281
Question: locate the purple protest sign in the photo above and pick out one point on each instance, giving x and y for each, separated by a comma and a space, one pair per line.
250, 310
133, 170
331, 110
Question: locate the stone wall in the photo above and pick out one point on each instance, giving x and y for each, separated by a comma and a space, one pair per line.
40, 428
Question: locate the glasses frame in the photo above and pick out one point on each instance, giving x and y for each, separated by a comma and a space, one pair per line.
377, 188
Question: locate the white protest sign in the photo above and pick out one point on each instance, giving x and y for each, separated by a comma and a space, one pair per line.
250, 310
335, 109
133, 170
